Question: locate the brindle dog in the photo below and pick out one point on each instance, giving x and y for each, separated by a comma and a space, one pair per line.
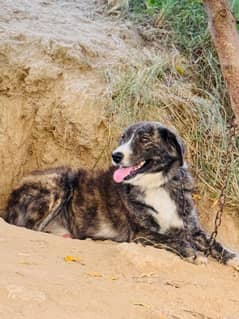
146, 197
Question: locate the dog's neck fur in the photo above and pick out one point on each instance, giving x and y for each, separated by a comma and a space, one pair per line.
146, 181
154, 180
153, 193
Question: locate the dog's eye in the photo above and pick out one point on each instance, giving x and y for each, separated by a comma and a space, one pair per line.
122, 137
144, 138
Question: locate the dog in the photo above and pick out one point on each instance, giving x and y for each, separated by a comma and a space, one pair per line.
145, 196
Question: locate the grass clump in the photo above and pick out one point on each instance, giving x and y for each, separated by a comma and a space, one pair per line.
158, 92
181, 87
161, 91
187, 22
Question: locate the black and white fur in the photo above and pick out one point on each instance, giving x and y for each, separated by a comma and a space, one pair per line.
145, 197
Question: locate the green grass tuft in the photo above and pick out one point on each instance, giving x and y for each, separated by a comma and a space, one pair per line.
235, 9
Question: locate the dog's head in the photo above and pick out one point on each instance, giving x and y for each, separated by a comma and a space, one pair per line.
146, 148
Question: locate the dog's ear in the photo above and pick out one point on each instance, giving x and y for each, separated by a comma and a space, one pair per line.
173, 141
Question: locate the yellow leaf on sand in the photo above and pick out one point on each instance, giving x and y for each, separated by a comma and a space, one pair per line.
72, 259
114, 278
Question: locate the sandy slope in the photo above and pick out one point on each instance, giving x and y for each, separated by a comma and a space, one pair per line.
111, 280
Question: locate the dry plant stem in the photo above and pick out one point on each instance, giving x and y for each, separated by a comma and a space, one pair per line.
222, 26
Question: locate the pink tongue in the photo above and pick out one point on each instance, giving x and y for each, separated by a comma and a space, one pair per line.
121, 173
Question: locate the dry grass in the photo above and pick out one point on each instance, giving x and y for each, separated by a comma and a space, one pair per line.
183, 88
162, 90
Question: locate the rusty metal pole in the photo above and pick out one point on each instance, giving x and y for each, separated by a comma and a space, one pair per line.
222, 26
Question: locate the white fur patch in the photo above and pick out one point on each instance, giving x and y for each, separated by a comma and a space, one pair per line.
126, 150
56, 228
105, 231
167, 216
150, 180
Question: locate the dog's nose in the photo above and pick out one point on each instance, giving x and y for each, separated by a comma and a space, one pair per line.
117, 157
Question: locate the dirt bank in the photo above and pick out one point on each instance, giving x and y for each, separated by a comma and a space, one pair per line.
54, 58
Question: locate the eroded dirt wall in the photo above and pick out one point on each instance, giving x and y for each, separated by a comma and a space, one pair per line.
54, 58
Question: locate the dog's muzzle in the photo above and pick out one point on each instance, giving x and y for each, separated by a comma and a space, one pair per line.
117, 157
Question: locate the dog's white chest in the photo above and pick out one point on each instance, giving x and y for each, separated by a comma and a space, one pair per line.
166, 216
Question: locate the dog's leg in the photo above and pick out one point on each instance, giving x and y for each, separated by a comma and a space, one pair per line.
201, 241
173, 242
54, 209
56, 227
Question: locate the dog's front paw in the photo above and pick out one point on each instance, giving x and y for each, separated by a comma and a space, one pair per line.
201, 260
234, 262
197, 260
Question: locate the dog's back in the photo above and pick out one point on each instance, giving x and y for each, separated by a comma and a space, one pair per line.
81, 203
96, 209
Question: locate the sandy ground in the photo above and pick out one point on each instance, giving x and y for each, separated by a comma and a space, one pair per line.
54, 61
108, 280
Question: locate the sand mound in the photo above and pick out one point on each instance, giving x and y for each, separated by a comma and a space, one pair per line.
109, 280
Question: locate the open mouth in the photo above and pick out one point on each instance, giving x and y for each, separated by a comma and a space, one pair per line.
125, 173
